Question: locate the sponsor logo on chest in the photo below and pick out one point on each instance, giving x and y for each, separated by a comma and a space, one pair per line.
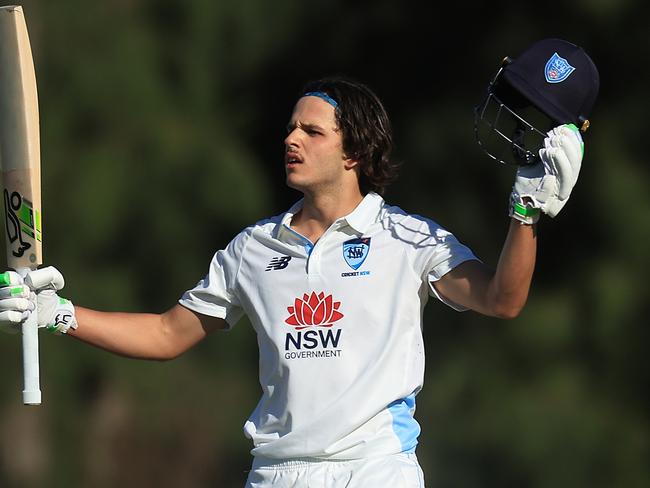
313, 336
278, 262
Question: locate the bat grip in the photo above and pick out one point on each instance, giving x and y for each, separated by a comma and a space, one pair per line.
32, 389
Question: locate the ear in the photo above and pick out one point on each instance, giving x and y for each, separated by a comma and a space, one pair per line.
349, 163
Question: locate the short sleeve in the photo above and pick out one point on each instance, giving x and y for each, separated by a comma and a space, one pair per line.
214, 295
447, 254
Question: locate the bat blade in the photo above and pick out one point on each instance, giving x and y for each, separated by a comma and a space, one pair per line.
21, 171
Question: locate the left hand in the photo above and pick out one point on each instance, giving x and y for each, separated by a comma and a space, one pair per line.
546, 186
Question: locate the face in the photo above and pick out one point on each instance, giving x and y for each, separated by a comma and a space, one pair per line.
314, 158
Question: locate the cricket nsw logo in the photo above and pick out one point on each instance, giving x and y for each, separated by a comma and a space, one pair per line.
315, 310
355, 251
557, 69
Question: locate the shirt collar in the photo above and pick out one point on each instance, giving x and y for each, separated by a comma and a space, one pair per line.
365, 214
288, 215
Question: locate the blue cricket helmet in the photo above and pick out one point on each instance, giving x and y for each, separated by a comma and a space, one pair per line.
553, 82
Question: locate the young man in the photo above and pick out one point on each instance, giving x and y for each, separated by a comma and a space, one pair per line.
335, 289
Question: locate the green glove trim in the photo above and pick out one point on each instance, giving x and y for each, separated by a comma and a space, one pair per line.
525, 211
4, 279
52, 328
16, 291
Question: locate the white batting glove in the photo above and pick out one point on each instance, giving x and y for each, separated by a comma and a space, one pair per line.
19, 297
15, 302
546, 186
55, 313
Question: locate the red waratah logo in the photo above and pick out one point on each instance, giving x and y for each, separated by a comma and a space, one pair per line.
314, 310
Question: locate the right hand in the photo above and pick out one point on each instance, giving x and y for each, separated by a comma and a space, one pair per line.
16, 301
37, 291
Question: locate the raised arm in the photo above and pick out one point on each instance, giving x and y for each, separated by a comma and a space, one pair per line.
544, 187
501, 293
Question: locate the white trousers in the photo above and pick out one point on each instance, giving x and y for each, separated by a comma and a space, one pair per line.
394, 471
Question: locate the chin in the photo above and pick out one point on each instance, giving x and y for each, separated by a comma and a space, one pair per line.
295, 183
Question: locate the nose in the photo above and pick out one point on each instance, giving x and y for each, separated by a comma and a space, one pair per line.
291, 141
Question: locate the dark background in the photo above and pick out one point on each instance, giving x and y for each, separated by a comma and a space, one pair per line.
162, 127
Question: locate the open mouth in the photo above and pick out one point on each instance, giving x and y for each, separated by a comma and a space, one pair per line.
291, 159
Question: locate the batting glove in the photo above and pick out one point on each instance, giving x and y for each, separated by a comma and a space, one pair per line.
546, 186
38, 291
15, 302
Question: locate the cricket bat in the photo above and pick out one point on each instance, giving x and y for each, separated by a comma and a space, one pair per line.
21, 172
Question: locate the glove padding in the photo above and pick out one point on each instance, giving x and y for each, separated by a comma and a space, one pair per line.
38, 291
16, 301
546, 186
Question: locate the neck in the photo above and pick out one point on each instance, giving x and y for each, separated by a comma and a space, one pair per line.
319, 211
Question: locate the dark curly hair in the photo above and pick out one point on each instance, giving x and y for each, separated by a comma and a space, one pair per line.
365, 130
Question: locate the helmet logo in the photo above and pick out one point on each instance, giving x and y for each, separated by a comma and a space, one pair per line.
557, 69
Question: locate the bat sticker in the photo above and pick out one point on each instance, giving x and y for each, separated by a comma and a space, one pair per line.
20, 220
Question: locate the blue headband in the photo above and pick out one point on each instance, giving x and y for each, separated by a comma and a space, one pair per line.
323, 96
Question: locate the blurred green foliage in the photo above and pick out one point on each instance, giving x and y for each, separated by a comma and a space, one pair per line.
162, 127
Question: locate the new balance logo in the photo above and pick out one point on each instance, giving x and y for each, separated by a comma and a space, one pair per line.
279, 262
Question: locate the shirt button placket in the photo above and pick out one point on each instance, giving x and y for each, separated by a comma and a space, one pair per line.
313, 262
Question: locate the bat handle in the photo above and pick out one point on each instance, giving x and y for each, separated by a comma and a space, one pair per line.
32, 388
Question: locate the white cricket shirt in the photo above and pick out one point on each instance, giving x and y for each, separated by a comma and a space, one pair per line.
338, 326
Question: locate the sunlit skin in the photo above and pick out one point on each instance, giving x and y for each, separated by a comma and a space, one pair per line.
317, 166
